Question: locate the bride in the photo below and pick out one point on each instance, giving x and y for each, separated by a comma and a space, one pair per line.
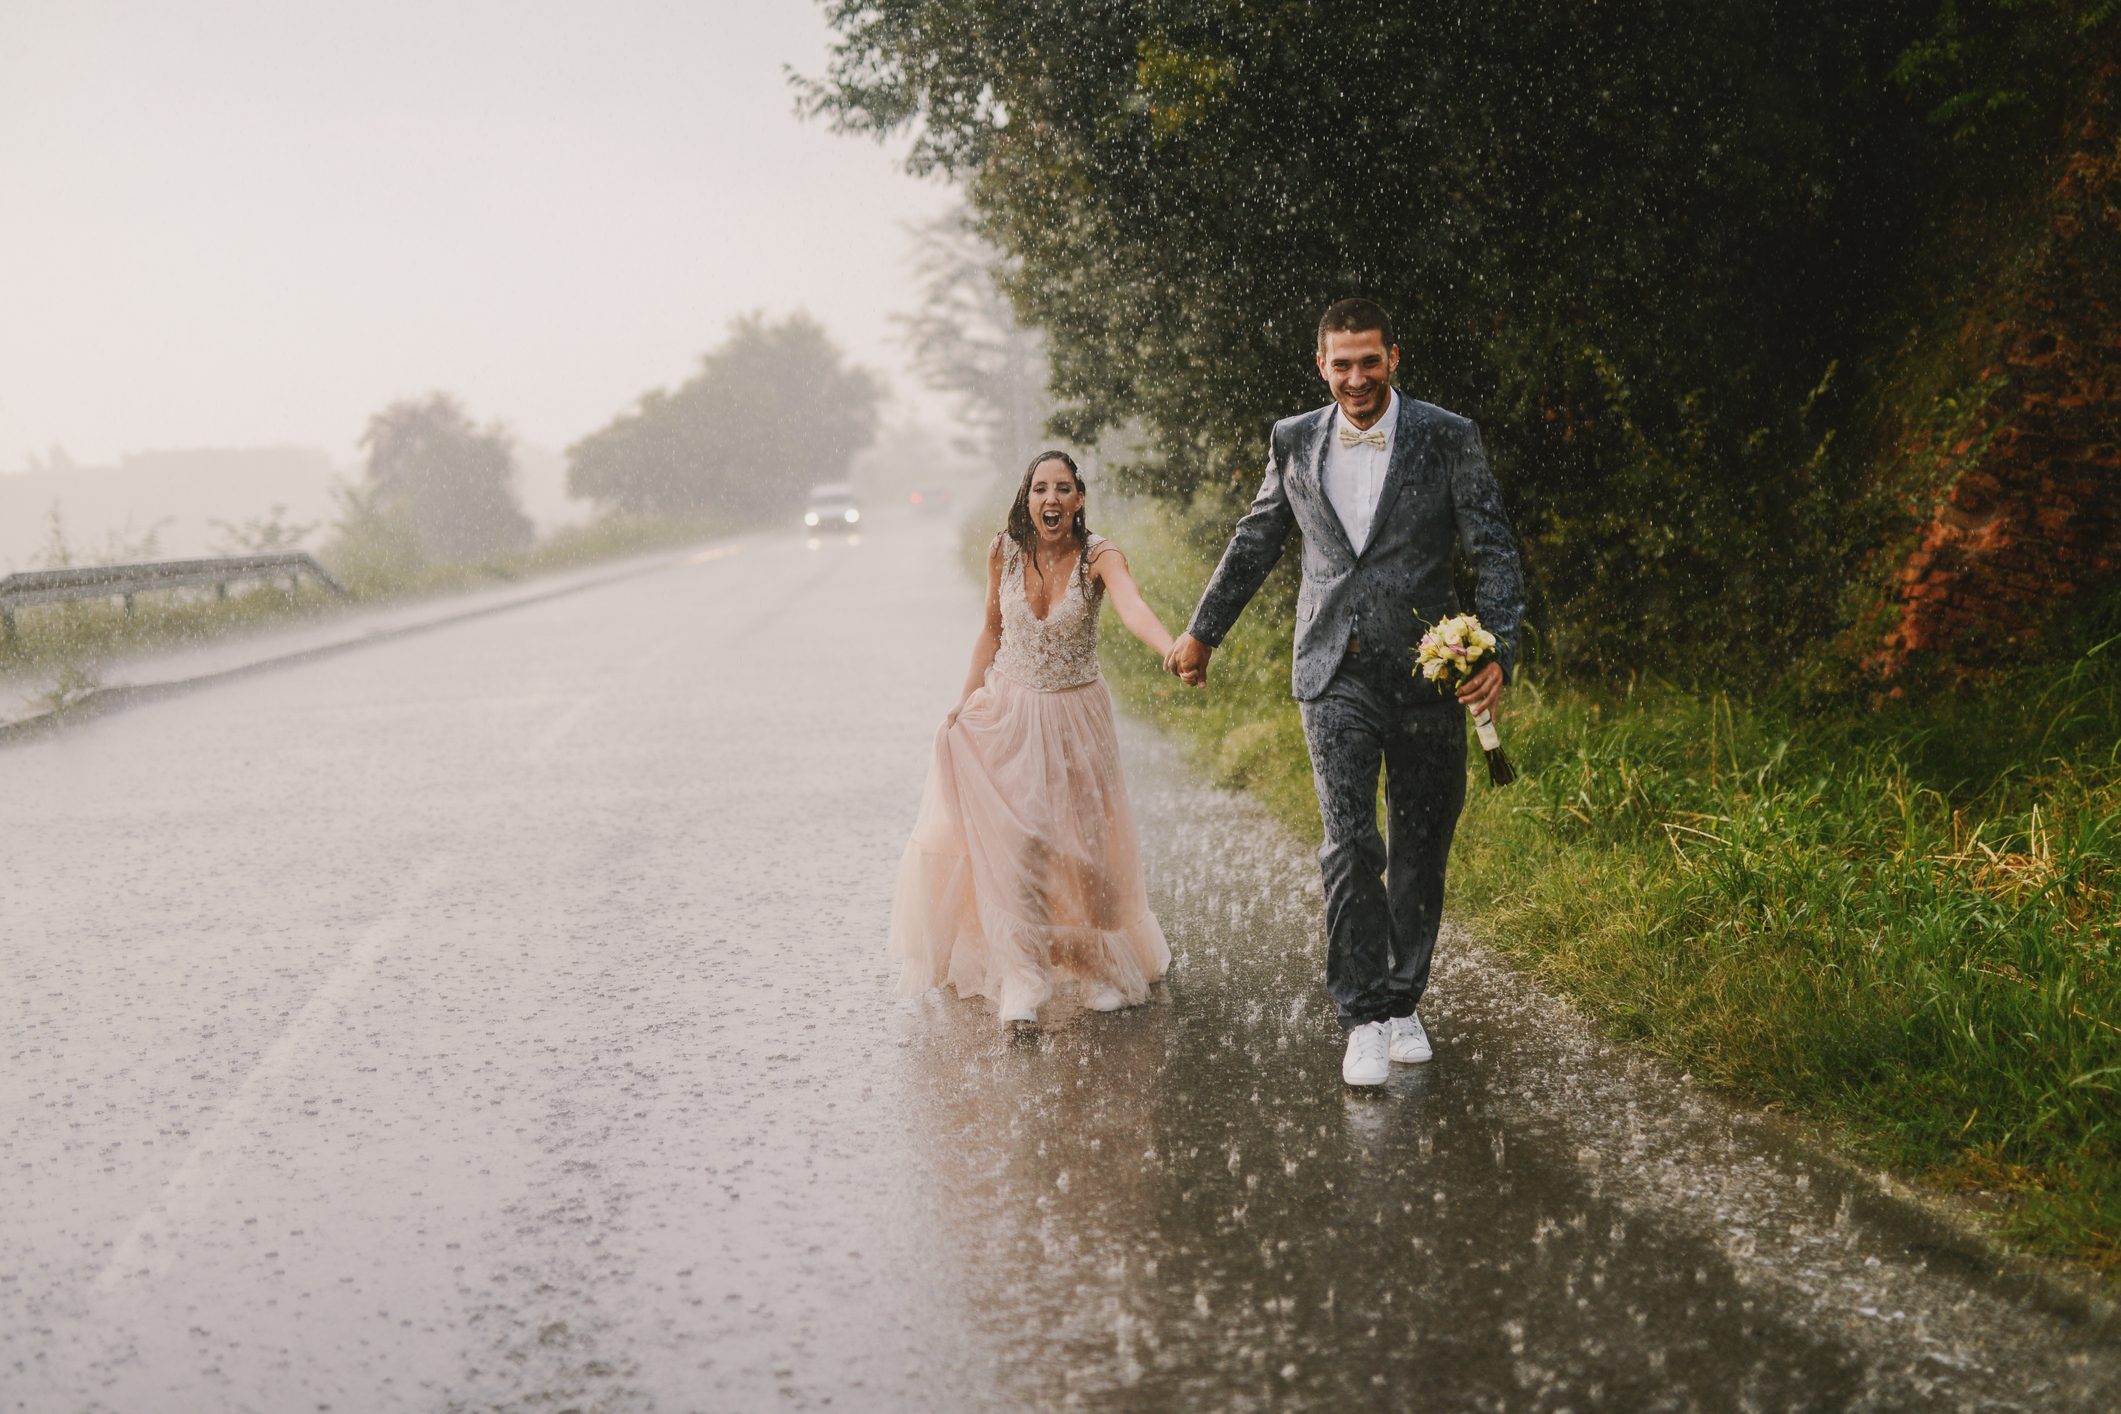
1024, 866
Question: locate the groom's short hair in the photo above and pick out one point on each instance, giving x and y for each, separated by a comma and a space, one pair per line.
1352, 316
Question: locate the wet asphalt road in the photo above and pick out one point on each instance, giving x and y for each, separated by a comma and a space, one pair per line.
496, 1019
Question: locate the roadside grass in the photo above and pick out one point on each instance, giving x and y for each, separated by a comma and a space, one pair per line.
1901, 922
70, 637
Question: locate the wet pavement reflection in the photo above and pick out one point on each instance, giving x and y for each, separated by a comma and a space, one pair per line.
497, 1019
1535, 1220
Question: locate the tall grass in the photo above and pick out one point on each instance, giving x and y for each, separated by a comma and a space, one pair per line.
1806, 911
1902, 922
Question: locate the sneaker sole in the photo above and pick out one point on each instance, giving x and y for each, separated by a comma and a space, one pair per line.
1361, 1084
1414, 1060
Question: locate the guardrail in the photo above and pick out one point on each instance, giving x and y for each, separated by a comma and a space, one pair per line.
125, 581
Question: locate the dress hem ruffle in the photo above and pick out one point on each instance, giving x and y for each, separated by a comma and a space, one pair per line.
1024, 868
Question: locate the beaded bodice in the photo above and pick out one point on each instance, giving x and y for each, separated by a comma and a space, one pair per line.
1059, 650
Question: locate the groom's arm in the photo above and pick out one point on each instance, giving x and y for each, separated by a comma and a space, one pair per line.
1484, 531
1254, 548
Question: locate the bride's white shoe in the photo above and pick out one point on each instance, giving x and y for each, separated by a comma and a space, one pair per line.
1018, 1009
1104, 997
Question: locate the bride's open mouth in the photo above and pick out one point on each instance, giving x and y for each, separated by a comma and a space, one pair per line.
1051, 520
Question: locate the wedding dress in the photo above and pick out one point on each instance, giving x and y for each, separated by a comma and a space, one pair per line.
1025, 867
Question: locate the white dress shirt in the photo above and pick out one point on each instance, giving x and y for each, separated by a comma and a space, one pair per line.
1354, 477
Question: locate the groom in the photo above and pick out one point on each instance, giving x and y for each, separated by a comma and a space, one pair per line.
1380, 487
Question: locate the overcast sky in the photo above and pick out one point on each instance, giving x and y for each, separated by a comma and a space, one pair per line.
235, 224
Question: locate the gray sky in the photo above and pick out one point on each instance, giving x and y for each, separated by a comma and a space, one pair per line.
226, 223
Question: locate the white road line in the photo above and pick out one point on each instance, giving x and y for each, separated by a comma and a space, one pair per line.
715, 552
148, 1249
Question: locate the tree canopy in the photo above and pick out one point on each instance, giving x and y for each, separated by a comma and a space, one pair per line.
772, 411
1654, 248
447, 481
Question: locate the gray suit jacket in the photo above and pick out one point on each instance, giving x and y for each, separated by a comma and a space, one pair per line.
1437, 494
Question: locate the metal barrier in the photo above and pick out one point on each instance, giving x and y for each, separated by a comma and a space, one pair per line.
124, 581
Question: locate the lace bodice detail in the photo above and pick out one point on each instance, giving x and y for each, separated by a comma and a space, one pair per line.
1059, 650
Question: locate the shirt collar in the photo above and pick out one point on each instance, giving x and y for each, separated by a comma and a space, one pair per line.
1389, 422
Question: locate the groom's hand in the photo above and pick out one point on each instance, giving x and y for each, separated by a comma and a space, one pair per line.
1188, 660
1482, 691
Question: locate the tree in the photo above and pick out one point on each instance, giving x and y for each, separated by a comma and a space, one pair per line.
450, 483
965, 341
771, 412
1653, 248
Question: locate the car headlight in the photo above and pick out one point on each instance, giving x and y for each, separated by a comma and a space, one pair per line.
810, 517
853, 515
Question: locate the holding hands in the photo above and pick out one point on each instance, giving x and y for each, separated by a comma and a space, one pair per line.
1188, 660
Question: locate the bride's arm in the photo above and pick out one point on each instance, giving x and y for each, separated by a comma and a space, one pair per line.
1110, 567
990, 632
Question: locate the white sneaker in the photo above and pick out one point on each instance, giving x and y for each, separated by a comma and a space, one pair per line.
1410, 1043
1366, 1062
1104, 997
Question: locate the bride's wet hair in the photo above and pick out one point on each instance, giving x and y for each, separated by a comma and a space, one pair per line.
1024, 531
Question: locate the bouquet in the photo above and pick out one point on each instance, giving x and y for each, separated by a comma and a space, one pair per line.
1452, 652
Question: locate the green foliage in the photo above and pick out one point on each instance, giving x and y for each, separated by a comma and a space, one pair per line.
445, 482
1652, 251
373, 547
373, 554
1987, 68
1853, 917
772, 412
1245, 726
1904, 922
62, 645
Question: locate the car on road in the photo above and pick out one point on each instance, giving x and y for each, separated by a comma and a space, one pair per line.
832, 507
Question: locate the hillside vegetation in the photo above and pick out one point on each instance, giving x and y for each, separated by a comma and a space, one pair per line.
1794, 333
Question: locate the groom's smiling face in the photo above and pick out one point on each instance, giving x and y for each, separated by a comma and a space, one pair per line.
1358, 368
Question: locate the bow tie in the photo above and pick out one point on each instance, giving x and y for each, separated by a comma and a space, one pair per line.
1375, 437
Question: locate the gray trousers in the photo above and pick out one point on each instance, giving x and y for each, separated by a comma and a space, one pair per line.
1384, 894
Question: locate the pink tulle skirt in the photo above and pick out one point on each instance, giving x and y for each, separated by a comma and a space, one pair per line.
1025, 869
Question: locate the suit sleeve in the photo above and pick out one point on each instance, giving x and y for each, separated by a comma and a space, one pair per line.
1484, 531
1254, 548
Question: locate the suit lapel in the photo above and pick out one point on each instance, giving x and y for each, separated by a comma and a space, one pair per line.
1314, 469
1410, 439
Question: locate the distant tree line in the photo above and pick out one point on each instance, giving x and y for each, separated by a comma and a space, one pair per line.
772, 411
436, 489
1665, 253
